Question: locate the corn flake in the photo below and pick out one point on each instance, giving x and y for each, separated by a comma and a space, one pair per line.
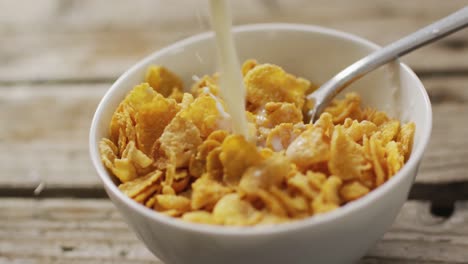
377, 152
347, 159
405, 138
178, 142
137, 186
353, 190
270, 172
231, 210
237, 154
269, 83
279, 112
349, 107
207, 113
296, 206
374, 116
394, 158
164, 81
309, 148
281, 136
165, 202
389, 131
325, 122
329, 199
357, 130
206, 84
248, 65
207, 192
108, 151
201, 217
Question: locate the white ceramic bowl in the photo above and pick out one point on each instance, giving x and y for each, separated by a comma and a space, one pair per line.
341, 236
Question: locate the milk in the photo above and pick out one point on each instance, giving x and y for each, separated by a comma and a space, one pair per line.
232, 88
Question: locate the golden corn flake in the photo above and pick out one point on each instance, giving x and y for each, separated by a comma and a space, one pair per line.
172, 202
389, 130
296, 206
377, 152
124, 170
108, 151
151, 121
178, 142
181, 182
201, 217
405, 137
138, 158
206, 84
309, 185
218, 135
163, 81
207, 192
269, 83
175, 152
248, 65
137, 186
353, 190
207, 113
151, 113
196, 167
271, 219
325, 122
357, 130
278, 113
346, 108
309, 148
214, 165
206, 147
281, 136
394, 157
232, 210
146, 194
269, 173
374, 116
347, 159
237, 154
329, 198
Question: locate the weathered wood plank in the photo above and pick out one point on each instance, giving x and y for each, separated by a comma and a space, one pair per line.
54, 39
44, 134
446, 157
92, 231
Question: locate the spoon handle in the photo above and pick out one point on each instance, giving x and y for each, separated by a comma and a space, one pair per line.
428, 34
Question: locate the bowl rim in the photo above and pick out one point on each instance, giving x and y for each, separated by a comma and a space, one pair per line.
316, 220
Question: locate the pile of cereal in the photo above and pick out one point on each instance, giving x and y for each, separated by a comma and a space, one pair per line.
174, 152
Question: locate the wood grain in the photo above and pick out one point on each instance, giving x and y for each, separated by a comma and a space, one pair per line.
45, 134
92, 231
92, 40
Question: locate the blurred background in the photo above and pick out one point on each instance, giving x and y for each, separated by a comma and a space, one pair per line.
58, 58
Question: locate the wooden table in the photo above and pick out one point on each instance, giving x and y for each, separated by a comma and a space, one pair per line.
57, 58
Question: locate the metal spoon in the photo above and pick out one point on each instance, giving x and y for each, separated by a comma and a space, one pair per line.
325, 93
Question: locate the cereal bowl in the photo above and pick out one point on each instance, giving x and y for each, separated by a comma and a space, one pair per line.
340, 236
